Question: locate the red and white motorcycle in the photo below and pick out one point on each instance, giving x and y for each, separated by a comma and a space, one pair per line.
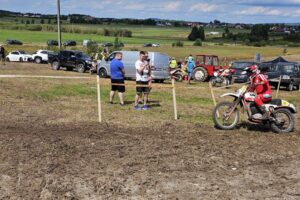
226, 114
222, 77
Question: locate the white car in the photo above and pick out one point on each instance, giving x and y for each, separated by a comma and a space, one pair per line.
156, 45
41, 56
18, 56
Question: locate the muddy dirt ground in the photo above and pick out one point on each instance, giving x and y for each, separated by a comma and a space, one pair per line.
166, 160
86, 161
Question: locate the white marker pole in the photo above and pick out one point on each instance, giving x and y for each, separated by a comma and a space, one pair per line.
99, 99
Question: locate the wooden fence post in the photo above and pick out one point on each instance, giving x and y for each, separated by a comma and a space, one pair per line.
99, 99
213, 97
174, 99
278, 87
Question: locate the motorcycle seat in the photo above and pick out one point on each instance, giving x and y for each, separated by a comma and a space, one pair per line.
276, 102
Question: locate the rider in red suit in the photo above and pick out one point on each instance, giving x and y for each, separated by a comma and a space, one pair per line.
260, 84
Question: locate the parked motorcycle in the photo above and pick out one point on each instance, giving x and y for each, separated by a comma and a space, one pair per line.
177, 75
222, 77
226, 114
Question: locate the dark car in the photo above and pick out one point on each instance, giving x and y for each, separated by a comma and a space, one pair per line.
14, 42
148, 45
239, 66
52, 43
70, 60
70, 43
289, 73
108, 44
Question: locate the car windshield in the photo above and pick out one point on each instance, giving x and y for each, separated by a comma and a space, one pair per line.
22, 52
240, 65
282, 68
81, 55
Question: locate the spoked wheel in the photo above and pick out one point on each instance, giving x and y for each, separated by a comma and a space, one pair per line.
225, 117
284, 121
178, 77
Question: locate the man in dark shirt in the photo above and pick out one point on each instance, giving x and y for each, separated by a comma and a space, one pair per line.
2, 54
117, 73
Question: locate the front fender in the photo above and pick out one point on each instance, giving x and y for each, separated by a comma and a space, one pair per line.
293, 110
230, 95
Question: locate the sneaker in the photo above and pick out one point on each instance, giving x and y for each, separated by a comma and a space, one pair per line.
122, 104
137, 107
145, 107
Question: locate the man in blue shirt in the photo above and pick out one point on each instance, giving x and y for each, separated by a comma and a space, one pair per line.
190, 67
117, 73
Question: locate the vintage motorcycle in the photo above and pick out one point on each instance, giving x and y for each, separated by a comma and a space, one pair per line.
177, 75
222, 77
226, 114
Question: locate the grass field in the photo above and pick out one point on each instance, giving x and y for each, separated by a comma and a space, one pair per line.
149, 34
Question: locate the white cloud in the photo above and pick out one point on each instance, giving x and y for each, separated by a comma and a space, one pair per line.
204, 7
171, 6
297, 13
258, 10
135, 6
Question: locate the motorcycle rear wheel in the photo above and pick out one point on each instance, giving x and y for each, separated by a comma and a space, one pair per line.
219, 116
281, 125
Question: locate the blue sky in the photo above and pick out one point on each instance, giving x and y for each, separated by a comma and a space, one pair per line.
244, 11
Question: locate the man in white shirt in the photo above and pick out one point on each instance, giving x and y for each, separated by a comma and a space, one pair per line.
143, 76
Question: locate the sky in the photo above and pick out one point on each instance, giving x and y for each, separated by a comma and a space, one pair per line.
233, 11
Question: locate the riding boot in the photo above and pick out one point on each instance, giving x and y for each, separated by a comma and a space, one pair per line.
265, 112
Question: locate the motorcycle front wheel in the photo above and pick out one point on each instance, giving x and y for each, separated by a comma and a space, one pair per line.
223, 116
284, 121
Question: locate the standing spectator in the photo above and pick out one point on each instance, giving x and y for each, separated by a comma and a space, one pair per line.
117, 77
190, 68
2, 54
104, 54
143, 77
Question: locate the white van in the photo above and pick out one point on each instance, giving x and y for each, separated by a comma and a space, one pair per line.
159, 64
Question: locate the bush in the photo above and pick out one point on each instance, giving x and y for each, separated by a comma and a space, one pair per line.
294, 45
198, 42
178, 44
259, 44
34, 28
92, 47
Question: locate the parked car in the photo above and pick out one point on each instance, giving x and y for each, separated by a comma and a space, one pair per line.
239, 66
70, 60
41, 56
147, 45
14, 42
52, 43
289, 73
70, 43
108, 44
159, 64
156, 45
18, 56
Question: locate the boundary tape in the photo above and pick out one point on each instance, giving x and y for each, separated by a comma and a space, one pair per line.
52, 77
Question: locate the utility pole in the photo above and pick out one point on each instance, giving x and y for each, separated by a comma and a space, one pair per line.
58, 24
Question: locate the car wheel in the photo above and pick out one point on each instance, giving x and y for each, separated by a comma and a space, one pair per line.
200, 74
81, 68
7, 60
290, 87
55, 65
102, 73
21, 59
38, 60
